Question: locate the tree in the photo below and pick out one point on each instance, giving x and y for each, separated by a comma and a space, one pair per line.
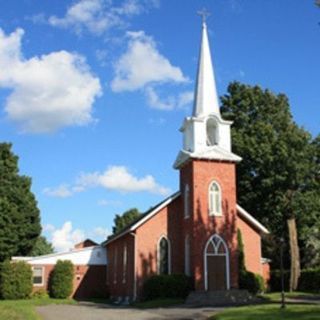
121, 221
276, 179
41, 247
19, 214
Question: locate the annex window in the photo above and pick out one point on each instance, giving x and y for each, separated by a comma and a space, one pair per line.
186, 201
187, 256
215, 199
124, 263
164, 256
37, 276
212, 132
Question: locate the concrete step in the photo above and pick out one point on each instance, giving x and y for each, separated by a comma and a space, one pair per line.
219, 298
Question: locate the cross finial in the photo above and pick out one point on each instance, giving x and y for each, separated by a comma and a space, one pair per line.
204, 13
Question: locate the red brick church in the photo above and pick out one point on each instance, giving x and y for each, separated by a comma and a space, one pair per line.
194, 231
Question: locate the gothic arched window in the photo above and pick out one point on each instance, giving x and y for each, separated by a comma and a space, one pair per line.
215, 199
186, 201
163, 256
212, 132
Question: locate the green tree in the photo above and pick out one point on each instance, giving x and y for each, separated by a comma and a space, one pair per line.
277, 177
19, 214
121, 221
41, 247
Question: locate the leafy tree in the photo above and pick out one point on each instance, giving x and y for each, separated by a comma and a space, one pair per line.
41, 247
121, 221
19, 214
277, 179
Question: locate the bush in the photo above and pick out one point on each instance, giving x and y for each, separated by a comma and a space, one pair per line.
61, 281
167, 286
40, 294
252, 282
16, 280
310, 280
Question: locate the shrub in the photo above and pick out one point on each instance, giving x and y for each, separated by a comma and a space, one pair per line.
61, 281
252, 282
167, 286
40, 294
16, 280
310, 280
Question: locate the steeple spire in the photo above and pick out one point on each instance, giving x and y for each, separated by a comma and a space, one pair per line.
205, 98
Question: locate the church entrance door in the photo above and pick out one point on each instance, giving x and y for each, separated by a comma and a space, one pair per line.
216, 260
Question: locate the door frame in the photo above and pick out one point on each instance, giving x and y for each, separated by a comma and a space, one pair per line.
226, 255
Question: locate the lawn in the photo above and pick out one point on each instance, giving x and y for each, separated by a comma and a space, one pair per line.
25, 309
271, 312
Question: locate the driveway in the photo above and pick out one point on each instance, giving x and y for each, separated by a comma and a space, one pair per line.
91, 311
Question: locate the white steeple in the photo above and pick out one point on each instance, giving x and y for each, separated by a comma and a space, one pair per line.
205, 134
205, 97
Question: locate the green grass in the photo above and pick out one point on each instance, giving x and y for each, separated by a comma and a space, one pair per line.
25, 309
271, 312
276, 296
158, 303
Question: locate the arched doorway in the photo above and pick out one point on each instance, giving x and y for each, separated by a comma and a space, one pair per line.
216, 264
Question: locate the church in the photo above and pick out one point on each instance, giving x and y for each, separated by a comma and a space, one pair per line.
194, 231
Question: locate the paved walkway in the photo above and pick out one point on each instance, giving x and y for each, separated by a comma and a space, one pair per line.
91, 311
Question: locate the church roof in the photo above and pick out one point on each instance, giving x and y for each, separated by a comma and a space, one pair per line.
206, 99
214, 153
143, 218
247, 216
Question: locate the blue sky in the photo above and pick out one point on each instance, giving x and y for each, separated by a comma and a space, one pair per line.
93, 92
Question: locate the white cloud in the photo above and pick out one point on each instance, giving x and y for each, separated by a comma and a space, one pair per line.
116, 178
66, 237
119, 178
48, 92
185, 98
101, 233
113, 203
169, 103
99, 16
62, 191
143, 64
155, 102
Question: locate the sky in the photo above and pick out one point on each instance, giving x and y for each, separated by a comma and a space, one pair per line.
93, 93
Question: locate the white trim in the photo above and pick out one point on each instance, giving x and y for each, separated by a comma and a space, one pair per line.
186, 201
163, 236
145, 218
42, 276
251, 219
212, 211
205, 254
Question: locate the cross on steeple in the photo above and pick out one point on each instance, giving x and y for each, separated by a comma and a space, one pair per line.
204, 13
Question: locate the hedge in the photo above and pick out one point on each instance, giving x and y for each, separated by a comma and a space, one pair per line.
252, 282
61, 280
167, 286
16, 280
309, 280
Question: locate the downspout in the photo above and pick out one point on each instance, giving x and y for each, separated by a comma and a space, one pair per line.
134, 269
